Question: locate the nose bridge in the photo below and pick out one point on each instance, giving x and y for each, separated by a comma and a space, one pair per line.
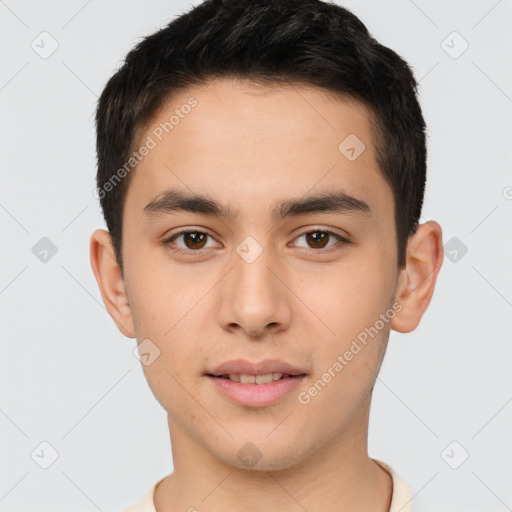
255, 298
252, 264
252, 275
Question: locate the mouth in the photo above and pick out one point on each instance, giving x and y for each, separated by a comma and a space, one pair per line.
246, 378
256, 384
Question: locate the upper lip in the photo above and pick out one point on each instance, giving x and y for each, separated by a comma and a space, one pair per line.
242, 366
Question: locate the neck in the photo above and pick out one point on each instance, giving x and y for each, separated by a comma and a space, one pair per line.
339, 472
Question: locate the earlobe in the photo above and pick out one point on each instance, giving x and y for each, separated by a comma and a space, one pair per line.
110, 281
417, 279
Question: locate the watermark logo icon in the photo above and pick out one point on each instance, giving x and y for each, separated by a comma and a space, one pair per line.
351, 147
454, 45
249, 249
249, 455
44, 250
455, 249
455, 455
146, 352
44, 455
44, 45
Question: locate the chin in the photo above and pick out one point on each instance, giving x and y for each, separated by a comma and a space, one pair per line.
264, 456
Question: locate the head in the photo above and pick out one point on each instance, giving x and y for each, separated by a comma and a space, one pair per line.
246, 123
291, 42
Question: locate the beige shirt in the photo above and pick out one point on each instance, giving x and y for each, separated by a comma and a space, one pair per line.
400, 502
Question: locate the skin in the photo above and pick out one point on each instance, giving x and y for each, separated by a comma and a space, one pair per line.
300, 302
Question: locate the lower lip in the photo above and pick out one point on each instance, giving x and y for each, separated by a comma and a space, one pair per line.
256, 395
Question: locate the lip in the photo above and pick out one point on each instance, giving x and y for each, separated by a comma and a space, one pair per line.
259, 368
256, 395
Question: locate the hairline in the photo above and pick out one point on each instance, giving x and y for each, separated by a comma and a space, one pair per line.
273, 82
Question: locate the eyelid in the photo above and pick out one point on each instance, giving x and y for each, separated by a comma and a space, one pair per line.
342, 239
323, 229
169, 239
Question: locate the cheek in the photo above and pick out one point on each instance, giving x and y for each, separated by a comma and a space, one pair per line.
345, 374
344, 299
174, 374
357, 308
160, 295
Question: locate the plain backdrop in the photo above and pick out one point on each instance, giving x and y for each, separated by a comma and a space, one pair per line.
442, 411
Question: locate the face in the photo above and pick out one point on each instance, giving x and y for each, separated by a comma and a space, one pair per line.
270, 269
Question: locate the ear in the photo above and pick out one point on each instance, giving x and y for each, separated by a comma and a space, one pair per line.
417, 279
110, 281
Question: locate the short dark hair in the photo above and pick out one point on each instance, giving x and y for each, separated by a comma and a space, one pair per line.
268, 42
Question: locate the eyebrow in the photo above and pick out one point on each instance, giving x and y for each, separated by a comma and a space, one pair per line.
171, 201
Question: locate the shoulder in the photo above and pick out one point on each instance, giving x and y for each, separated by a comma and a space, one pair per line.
402, 495
146, 504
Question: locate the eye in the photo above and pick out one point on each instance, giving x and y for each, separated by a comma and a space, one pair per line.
320, 238
194, 240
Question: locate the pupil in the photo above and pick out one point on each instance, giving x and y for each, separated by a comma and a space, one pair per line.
319, 239
193, 236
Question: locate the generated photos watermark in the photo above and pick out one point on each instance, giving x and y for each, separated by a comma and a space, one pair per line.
304, 397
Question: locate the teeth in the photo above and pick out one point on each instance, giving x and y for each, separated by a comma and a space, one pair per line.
254, 379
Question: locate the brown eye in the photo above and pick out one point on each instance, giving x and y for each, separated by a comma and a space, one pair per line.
319, 239
193, 241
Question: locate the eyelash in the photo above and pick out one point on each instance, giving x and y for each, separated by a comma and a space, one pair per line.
179, 250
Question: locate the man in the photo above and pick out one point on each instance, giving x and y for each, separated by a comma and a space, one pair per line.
261, 169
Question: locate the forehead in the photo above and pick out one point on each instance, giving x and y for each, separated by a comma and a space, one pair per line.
238, 109
240, 140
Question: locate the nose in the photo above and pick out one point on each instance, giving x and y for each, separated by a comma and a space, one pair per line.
255, 297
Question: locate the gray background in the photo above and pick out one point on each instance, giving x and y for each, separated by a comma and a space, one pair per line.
70, 379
